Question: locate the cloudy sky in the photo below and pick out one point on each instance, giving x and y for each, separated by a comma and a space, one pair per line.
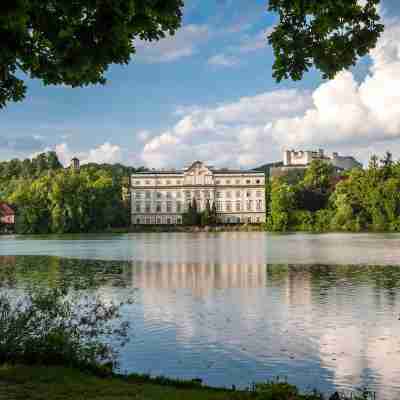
208, 94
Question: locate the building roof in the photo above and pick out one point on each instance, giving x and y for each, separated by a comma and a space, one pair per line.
6, 209
222, 171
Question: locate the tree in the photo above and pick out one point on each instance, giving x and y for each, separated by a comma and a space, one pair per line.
206, 214
331, 35
74, 42
282, 205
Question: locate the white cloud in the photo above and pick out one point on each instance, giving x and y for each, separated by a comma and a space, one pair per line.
342, 114
223, 60
347, 112
105, 153
183, 44
230, 133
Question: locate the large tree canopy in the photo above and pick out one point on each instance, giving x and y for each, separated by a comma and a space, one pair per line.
329, 34
73, 42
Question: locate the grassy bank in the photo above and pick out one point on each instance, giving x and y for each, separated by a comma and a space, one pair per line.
59, 383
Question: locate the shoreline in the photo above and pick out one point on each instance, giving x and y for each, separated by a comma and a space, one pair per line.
22, 381
201, 229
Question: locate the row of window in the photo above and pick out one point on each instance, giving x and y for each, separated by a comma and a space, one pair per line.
178, 182
197, 194
162, 220
227, 206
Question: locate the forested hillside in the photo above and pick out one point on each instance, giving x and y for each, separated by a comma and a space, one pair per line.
51, 199
358, 200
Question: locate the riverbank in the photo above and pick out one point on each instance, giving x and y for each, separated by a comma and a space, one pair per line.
190, 229
50, 383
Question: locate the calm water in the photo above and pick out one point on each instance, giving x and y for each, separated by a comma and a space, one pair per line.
233, 308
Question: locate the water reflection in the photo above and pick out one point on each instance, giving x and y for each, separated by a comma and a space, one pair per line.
235, 322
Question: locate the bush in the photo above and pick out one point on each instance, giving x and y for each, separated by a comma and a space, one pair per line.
49, 328
303, 220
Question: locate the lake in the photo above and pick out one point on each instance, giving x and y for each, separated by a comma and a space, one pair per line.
321, 311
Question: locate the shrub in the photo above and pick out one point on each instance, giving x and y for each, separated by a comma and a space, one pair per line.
51, 329
303, 220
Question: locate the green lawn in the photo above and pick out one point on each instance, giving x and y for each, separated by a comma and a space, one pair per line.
58, 383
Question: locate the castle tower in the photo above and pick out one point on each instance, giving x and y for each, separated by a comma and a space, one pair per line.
75, 164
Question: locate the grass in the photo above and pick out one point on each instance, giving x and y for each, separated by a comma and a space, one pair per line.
59, 383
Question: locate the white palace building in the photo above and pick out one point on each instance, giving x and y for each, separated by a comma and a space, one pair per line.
162, 197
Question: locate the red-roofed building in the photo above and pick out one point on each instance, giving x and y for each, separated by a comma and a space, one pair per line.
7, 214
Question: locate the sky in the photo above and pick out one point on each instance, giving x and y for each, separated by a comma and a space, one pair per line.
208, 94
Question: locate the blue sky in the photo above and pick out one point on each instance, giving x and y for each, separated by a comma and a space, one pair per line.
206, 93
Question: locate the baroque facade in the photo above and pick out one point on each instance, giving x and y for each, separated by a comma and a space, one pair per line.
162, 197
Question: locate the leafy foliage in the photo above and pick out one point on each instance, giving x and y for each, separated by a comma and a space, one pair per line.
74, 42
194, 217
330, 35
48, 327
50, 199
355, 201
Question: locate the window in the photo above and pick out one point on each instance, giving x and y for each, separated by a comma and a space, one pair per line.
258, 181
218, 195
228, 182
148, 221
169, 206
138, 221
219, 205
178, 182
178, 195
258, 220
197, 194
137, 182
158, 220
138, 195
178, 207
259, 193
248, 181
168, 182
148, 195
169, 221
228, 195
147, 182
228, 206
259, 205
187, 194
158, 182
207, 194
238, 206
237, 181
249, 205
158, 208
217, 182
238, 194
248, 194
159, 195
179, 220
138, 207
169, 195
148, 207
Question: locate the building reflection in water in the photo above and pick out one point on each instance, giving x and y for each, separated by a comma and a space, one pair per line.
234, 322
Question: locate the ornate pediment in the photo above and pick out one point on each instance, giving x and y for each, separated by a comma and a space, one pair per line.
198, 169
198, 174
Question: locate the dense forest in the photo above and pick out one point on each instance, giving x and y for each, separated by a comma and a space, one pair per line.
51, 199
325, 200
